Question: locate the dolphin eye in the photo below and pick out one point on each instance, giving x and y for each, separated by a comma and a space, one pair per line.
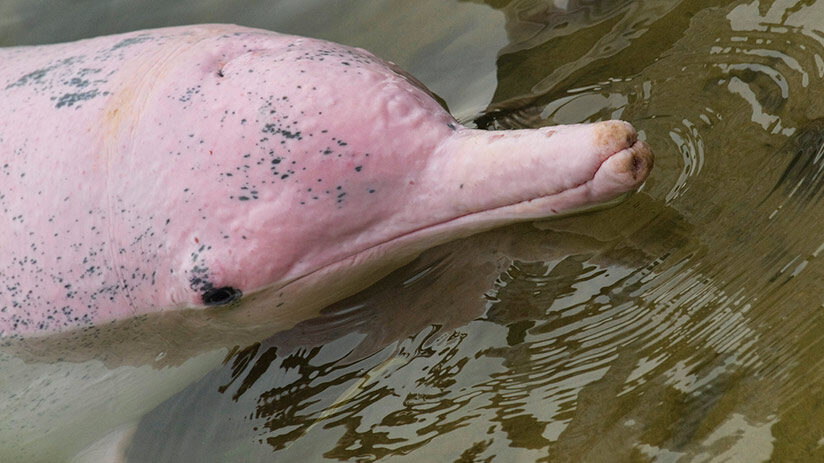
221, 296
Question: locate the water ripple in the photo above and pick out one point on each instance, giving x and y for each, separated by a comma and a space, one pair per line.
682, 325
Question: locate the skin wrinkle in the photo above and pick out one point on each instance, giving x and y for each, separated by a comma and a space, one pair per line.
121, 125
120, 129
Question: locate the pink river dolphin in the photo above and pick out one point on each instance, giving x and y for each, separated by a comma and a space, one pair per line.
186, 167
243, 180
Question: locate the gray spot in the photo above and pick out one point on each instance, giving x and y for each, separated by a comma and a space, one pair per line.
132, 41
70, 99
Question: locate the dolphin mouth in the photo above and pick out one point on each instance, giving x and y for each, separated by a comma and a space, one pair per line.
615, 178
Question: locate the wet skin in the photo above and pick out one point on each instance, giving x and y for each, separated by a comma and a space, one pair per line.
183, 168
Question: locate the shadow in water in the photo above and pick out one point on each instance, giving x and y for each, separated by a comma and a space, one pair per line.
327, 372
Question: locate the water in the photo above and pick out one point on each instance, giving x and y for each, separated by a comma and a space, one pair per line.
684, 325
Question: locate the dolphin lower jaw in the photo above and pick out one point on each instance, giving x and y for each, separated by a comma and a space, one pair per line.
617, 176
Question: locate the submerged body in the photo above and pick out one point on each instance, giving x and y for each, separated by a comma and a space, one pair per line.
245, 179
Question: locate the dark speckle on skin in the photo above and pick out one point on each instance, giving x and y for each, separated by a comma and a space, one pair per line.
132, 41
274, 129
32, 77
78, 82
38, 76
69, 99
66, 81
190, 92
199, 273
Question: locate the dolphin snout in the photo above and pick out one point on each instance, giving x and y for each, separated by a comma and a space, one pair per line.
627, 167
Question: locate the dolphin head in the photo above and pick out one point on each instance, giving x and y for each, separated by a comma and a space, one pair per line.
285, 173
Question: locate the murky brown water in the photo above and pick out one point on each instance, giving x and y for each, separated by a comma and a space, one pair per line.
684, 325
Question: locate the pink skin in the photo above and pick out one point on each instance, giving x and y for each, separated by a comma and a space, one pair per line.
142, 172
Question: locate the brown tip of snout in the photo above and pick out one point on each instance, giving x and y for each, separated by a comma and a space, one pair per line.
629, 157
614, 136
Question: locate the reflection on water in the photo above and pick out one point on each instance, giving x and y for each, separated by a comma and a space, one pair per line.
686, 324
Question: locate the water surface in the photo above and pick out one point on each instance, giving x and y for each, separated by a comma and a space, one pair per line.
684, 325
